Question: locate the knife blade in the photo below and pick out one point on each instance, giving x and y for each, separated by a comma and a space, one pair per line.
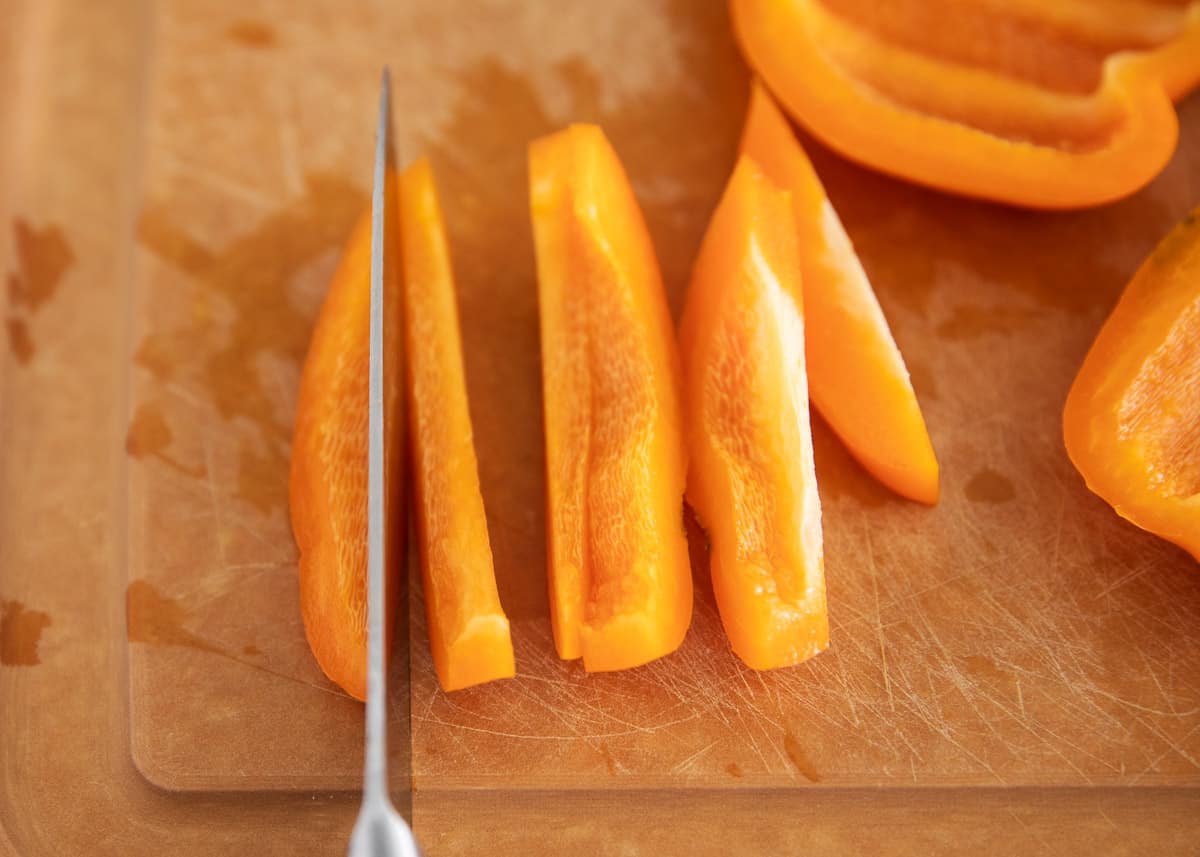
380, 831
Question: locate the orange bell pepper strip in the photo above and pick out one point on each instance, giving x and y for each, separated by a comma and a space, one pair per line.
1132, 418
751, 479
956, 124
468, 631
327, 489
620, 578
856, 376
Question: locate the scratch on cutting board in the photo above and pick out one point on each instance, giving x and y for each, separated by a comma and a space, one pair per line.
1100, 811
685, 764
1173, 747
1157, 712
524, 736
844, 680
874, 571
1152, 671
1137, 572
209, 481
1054, 742
943, 728
1029, 830
1059, 525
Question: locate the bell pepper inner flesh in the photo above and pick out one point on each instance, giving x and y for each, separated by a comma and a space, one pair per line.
619, 573
751, 478
468, 632
856, 375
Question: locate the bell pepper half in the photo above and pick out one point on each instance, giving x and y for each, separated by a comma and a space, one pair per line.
1132, 418
984, 99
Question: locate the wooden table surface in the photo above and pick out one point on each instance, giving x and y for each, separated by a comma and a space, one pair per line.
1013, 671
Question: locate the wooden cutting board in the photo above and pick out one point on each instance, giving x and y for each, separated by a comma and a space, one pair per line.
1019, 633
182, 177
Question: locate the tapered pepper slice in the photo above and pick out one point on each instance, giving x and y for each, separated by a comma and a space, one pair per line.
751, 479
327, 491
620, 580
856, 376
468, 631
1132, 418
985, 98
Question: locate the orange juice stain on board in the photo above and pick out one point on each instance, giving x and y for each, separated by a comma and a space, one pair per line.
251, 275
20, 632
42, 257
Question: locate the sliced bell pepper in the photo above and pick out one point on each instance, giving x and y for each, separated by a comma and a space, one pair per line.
856, 376
468, 631
620, 578
751, 479
946, 112
1132, 419
327, 491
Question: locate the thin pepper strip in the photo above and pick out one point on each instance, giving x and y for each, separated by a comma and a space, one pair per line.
856, 376
327, 489
966, 129
468, 631
620, 578
751, 478
1132, 418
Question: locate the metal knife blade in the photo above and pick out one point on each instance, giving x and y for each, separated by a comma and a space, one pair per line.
379, 831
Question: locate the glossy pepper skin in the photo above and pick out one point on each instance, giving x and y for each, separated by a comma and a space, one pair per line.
327, 490
751, 479
968, 124
1132, 418
468, 631
620, 577
856, 376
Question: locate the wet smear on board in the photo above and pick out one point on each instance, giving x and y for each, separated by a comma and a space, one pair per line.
155, 619
971, 322
19, 340
155, 354
799, 759
43, 256
261, 479
250, 275
924, 382
989, 486
20, 633
251, 34
149, 435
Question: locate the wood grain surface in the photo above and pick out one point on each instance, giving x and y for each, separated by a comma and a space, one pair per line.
1015, 669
